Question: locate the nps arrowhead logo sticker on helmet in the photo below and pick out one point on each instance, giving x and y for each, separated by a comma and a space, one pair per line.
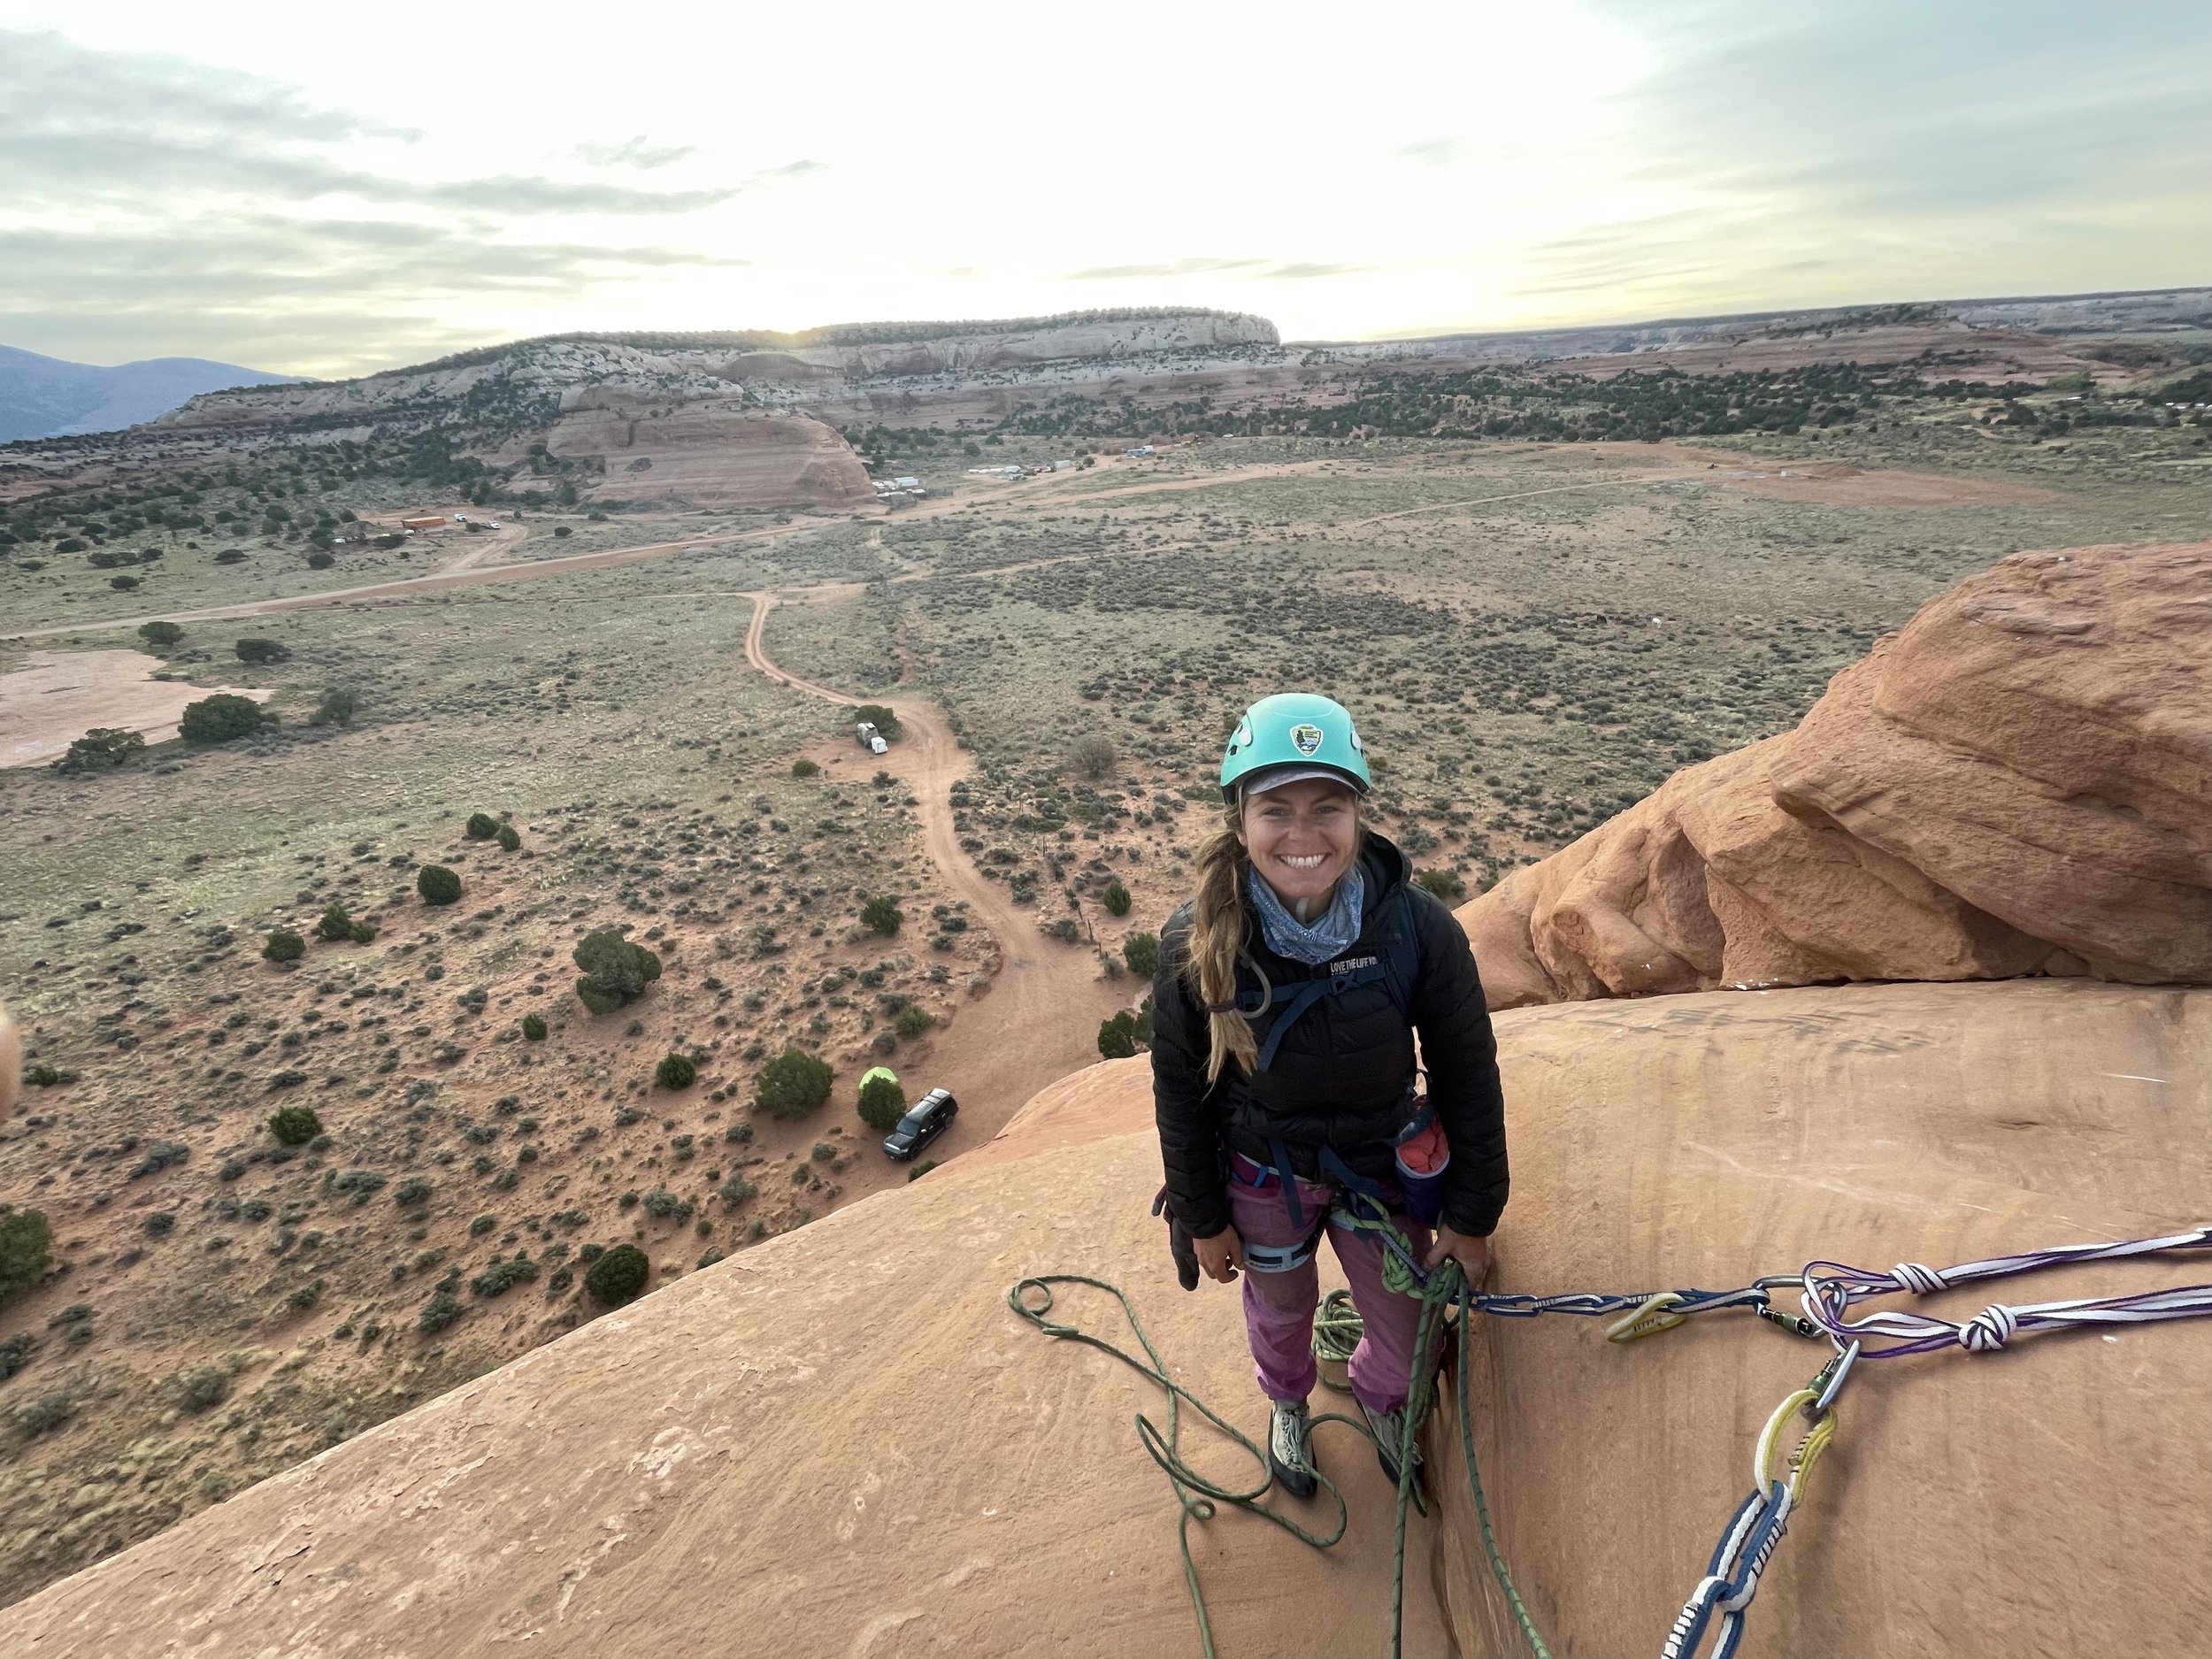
1294, 729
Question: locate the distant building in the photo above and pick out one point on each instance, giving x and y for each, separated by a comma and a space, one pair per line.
427, 522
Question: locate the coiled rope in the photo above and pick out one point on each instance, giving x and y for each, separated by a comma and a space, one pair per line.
1723, 1595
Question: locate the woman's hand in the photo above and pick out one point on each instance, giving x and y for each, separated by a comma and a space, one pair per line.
1471, 1253
1220, 1257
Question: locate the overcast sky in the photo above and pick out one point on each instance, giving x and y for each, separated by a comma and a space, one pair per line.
327, 190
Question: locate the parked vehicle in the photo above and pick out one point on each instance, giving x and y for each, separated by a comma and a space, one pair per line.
929, 1118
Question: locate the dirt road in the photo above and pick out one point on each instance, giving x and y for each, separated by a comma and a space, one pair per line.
1039, 1019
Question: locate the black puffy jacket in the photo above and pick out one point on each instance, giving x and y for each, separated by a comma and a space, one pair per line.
1340, 1078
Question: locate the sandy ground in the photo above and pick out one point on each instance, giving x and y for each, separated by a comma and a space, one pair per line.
456, 576
58, 696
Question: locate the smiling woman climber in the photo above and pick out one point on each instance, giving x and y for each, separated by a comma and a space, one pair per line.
1284, 1073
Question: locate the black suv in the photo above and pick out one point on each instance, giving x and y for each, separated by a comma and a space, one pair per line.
930, 1118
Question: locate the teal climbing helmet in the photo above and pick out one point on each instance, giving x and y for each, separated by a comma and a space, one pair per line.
1294, 735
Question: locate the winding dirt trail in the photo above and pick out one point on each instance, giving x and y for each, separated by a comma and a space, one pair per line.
1038, 1021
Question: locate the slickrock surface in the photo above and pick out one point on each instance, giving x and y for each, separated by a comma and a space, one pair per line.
842, 1442
2020, 782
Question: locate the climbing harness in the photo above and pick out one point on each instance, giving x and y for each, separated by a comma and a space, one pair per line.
1829, 1290
1395, 964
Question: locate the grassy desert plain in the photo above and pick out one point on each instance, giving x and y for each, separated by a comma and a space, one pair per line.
1533, 635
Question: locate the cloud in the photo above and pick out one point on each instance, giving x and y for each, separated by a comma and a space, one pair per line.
1299, 270
1821, 154
263, 288
634, 152
1887, 108
794, 170
131, 129
148, 202
1172, 268
1435, 151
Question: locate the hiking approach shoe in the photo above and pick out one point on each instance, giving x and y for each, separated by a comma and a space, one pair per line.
1290, 1450
1389, 1430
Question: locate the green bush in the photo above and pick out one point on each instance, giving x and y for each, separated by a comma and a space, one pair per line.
438, 885
913, 1020
805, 768
122, 584
793, 1084
510, 839
335, 922
882, 1104
675, 1070
261, 652
735, 1191
616, 971
1444, 883
231, 556
882, 915
34, 1418
26, 1244
921, 1169
619, 1276
102, 746
500, 1277
362, 933
359, 1186
160, 636
533, 1028
438, 1312
882, 719
411, 1194
220, 718
202, 1388
1121, 1036
1141, 952
481, 826
284, 945
320, 560
337, 708
481, 1225
295, 1125
1116, 898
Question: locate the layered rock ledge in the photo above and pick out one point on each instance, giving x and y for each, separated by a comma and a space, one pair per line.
2019, 783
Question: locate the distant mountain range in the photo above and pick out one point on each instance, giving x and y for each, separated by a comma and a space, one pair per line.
46, 397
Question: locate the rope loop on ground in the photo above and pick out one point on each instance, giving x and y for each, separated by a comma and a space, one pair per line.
1723, 1595
1198, 1496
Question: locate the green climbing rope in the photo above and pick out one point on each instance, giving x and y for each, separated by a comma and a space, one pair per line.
1337, 1331
1197, 1495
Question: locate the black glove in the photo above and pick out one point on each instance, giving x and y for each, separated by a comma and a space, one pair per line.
1178, 1243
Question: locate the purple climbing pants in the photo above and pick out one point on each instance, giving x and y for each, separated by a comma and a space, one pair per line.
1278, 1308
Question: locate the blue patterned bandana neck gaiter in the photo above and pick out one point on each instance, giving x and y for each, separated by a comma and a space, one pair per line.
1329, 934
